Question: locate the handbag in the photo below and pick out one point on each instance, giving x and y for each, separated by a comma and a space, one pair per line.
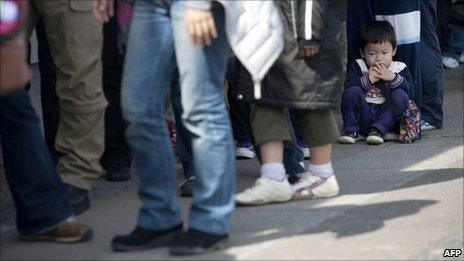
410, 128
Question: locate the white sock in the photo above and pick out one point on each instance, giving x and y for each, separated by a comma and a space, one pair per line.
323, 171
274, 171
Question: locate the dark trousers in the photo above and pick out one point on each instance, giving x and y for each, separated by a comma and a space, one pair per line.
360, 116
239, 111
431, 66
37, 190
116, 149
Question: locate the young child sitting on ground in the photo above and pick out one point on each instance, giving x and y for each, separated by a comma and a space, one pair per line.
364, 109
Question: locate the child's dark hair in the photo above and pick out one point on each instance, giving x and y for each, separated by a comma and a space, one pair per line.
377, 32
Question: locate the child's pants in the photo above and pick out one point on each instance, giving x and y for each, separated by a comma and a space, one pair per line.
360, 116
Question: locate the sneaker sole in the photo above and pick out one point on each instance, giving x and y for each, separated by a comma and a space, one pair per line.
374, 140
346, 140
86, 237
311, 196
244, 154
250, 204
183, 250
161, 241
428, 128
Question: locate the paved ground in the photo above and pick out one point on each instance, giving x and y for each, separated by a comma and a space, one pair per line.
398, 201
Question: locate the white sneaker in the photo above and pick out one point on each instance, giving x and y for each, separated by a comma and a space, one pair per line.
461, 58
427, 126
244, 150
265, 191
450, 62
312, 187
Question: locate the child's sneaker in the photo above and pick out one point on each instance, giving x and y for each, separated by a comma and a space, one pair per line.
374, 137
304, 148
265, 191
450, 63
348, 138
244, 150
427, 126
312, 187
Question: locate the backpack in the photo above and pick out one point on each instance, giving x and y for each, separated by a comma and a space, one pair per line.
410, 128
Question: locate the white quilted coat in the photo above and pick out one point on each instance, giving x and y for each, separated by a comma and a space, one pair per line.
255, 33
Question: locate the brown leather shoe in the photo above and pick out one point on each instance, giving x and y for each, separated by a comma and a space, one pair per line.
69, 231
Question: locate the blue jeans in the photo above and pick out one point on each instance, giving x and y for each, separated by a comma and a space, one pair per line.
184, 137
202, 71
38, 193
148, 71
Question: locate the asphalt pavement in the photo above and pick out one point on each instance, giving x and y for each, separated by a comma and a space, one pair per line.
397, 201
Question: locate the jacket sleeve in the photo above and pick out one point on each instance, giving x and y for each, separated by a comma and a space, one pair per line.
310, 21
403, 80
355, 77
199, 4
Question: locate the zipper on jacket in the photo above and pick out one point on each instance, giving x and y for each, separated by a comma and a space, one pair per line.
292, 7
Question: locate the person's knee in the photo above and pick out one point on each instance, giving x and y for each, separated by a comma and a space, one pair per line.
353, 92
401, 98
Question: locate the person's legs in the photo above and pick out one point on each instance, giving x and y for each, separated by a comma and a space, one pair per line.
38, 193
184, 139
319, 132
296, 126
431, 67
205, 115
147, 73
116, 159
387, 119
48, 97
355, 112
81, 99
452, 50
239, 112
148, 69
270, 130
293, 158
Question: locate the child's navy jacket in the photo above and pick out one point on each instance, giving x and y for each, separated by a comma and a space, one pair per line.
357, 75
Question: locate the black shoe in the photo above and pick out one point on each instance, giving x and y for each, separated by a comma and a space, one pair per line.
141, 239
348, 138
186, 187
117, 172
375, 137
197, 242
78, 199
